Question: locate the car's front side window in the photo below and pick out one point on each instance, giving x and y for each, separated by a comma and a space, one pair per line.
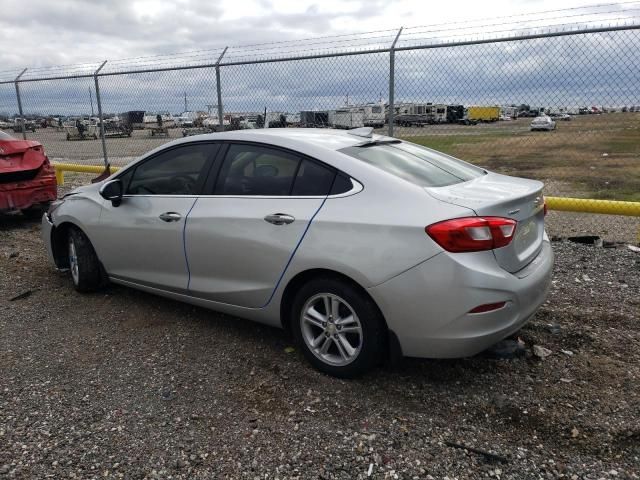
177, 171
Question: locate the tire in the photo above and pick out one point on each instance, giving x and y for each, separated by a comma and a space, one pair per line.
86, 272
357, 313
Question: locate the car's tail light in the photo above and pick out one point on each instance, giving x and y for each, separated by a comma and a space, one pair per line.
472, 234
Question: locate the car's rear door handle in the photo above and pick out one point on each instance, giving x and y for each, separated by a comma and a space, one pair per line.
170, 216
279, 218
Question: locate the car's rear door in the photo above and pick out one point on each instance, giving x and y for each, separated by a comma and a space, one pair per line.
141, 240
240, 238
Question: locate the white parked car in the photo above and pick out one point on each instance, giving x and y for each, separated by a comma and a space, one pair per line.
543, 122
359, 244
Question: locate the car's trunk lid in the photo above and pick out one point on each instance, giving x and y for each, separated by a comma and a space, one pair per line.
20, 155
502, 196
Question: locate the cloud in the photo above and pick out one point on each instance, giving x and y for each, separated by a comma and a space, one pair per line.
592, 69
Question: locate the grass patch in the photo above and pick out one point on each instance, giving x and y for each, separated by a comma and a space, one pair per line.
599, 155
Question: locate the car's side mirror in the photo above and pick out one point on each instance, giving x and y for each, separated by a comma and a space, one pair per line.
112, 190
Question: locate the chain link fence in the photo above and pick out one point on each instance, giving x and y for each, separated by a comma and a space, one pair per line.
561, 106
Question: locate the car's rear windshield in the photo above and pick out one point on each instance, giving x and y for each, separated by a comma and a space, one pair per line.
414, 163
5, 136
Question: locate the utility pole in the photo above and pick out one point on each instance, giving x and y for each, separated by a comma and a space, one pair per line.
185, 102
91, 100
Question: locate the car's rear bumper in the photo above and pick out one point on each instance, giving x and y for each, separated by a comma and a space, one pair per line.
427, 306
22, 195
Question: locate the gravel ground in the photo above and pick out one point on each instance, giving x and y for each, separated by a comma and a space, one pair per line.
124, 384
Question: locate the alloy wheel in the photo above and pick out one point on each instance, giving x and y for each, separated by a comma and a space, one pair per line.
73, 262
331, 329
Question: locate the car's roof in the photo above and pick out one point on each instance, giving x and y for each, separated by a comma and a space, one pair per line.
325, 138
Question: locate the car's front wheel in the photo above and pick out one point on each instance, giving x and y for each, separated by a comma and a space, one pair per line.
339, 329
83, 262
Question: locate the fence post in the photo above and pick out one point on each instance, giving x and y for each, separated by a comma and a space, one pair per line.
24, 131
99, 102
392, 82
219, 89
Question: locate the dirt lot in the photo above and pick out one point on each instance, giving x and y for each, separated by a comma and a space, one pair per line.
125, 384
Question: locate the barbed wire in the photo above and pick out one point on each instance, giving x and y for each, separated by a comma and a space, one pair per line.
442, 32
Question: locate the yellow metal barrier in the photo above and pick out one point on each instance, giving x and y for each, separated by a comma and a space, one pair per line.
60, 168
586, 205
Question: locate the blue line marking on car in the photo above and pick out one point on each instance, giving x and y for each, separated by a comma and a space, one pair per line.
275, 289
184, 243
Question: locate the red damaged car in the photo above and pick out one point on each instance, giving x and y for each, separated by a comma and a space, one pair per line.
27, 179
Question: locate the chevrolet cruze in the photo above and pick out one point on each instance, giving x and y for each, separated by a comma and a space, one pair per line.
363, 246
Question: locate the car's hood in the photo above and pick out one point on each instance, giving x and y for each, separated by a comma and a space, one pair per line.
20, 155
86, 189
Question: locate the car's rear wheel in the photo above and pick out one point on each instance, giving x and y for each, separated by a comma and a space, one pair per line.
338, 328
83, 262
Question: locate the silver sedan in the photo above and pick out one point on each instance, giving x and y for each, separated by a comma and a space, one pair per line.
362, 246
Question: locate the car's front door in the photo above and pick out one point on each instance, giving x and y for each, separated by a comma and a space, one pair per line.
240, 238
141, 240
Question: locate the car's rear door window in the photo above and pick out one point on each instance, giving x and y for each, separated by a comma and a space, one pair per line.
256, 170
414, 163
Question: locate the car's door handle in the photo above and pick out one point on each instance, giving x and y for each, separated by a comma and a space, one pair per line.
279, 218
170, 216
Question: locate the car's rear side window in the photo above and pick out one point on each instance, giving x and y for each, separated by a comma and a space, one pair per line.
313, 179
419, 165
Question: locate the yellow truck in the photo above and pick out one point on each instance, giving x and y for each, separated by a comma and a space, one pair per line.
483, 114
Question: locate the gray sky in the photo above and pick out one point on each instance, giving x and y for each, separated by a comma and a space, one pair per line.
600, 69
49, 32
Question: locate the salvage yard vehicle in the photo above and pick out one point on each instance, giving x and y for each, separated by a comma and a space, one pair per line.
116, 130
363, 246
27, 179
542, 123
86, 132
483, 114
17, 126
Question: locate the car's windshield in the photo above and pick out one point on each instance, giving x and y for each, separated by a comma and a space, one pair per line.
416, 164
5, 136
